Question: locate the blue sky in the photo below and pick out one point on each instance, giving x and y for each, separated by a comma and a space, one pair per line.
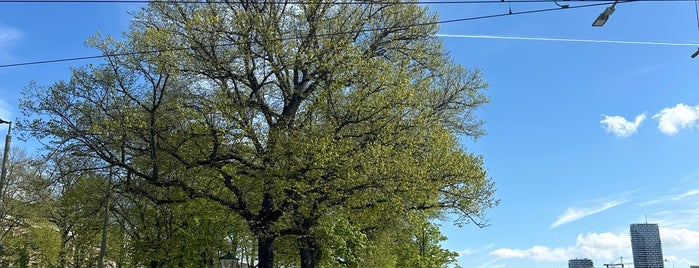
589, 129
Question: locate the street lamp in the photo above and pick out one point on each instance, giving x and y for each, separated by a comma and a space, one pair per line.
229, 261
695, 54
3, 175
604, 16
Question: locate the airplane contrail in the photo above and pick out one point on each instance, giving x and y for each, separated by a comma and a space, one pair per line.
567, 40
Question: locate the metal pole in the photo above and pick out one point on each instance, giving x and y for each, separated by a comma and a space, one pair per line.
3, 175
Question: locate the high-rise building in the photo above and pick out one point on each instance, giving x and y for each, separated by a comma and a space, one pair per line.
646, 247
580, 263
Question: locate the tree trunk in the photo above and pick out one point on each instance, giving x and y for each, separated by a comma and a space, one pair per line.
105, 223
309, 252
263, 231
265, 251
63, 253
62, 257
103, 241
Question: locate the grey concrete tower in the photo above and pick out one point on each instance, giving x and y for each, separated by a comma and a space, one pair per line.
646, 247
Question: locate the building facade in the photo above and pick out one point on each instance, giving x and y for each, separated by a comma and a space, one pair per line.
646, 247
580, 263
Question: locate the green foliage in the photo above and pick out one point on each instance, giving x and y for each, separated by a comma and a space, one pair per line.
421, 248
342, 242
36, 241
312, 122
412, 241
177, 234
26, 233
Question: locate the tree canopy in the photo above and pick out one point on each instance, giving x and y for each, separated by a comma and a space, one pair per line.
312, 121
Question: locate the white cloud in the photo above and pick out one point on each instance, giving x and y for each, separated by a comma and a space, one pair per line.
620, 126
679, 238
4, 110
605, 246
674, 261
8, 36
507, 253
574, 214
671, 120
670, 258
549, 254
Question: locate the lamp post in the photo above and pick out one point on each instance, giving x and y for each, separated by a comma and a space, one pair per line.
695, 54
3, 175
228, 261
604, 16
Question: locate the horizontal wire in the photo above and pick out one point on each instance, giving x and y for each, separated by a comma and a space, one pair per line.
293, 38
570, 40
302, 2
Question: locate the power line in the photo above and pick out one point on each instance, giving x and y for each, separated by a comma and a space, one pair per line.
522, 13
427, 2
571, 40
293, 38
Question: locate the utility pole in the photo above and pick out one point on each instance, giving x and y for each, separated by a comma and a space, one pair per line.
3, 173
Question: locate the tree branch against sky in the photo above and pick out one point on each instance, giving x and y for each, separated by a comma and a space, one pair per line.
302, 116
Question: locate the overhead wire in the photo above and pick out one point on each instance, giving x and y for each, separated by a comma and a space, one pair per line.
131, 53
356, 2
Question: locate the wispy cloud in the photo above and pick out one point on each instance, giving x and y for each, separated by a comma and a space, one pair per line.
620, 126
676, 215
470, 251
465, 252
492, 264
574, 214
8, 37
675, 197
671, 120
4, 110
621, 42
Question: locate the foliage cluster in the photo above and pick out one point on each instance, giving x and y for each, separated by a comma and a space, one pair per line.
321, 133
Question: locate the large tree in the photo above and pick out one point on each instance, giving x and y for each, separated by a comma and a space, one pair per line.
290, 114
